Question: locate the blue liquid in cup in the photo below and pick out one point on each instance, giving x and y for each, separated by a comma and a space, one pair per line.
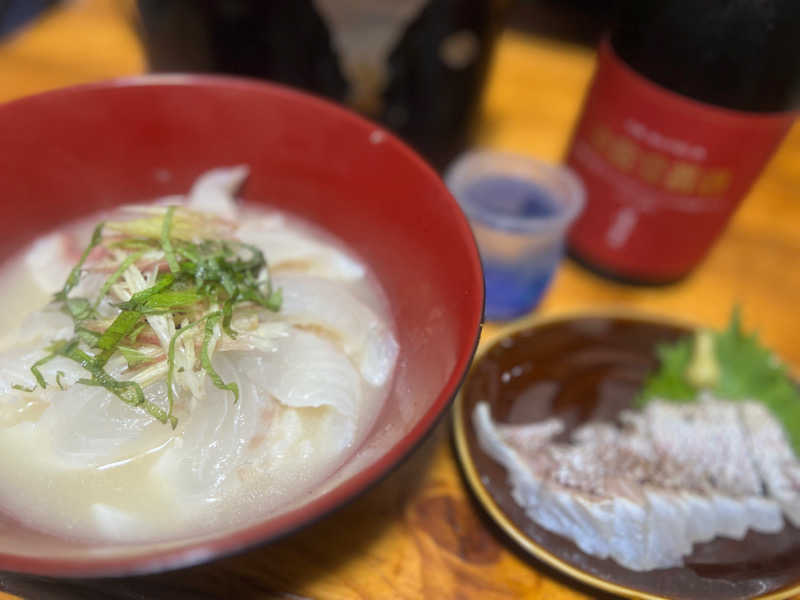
512, 291
499, 196
518, 261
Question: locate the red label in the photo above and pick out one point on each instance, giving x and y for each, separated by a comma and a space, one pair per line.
663, 173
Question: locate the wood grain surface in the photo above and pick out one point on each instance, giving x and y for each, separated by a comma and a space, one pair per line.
418, 534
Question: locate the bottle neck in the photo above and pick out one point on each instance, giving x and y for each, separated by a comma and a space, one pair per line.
743, 54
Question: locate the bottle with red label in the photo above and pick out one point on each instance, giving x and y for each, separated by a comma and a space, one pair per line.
688, 102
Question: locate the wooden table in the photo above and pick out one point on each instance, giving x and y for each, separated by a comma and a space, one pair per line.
418, 534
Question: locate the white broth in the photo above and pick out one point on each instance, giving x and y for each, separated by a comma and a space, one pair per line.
78, 461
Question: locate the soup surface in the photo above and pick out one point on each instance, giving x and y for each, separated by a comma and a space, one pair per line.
206, 363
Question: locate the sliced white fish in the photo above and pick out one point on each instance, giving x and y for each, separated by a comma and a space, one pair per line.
321, 303
213, 437
764, 514
50, 260
257, 335
90, 427
223, 444
21, 297
289, 250
29, 341
643, 493
15, 371
777, 464
701, 517
630, 532
553, 508
667, 542
306, 371
215, 191
308, 440
706, 441
534, 437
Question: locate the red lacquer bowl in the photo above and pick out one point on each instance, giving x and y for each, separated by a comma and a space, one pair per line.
69, 153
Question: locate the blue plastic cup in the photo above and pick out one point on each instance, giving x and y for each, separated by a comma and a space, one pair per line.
520, 210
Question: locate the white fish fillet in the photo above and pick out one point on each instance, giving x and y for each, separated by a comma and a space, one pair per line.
222, 443
365, 337
215, 191
215, 434
709, 439
306, 371
49, 261
286, 249
777, 465
645, 493
90, 427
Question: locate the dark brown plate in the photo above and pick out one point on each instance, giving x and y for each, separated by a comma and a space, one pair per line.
589, 368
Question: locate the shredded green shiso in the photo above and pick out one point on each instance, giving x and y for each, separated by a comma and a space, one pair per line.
202, 278
733, 365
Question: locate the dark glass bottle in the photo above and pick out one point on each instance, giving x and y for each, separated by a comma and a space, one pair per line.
739, 54
688, 102
417, 66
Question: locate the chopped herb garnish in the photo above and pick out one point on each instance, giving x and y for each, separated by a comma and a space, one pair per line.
227, 314
211, 322
75, 275
87, 336
125, 322
78, 308
171, 362
166, 242
53, 350
133, 357
170, 301
124, 266
139, 298
134, 335
195, 278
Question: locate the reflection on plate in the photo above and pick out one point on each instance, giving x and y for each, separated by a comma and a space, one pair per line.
590, 368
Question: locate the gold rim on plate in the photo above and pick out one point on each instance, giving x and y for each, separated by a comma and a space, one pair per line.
497, 514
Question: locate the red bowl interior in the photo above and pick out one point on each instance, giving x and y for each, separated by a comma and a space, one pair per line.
72, 152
